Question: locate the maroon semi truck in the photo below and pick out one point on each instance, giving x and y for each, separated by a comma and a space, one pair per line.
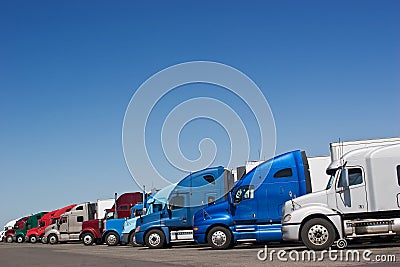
92, 230
9, 235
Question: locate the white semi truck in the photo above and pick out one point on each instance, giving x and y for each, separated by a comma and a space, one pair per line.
362, 199
69, 226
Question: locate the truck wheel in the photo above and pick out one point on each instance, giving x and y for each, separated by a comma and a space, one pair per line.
219, 238
132, 240
52, 239
33, 239
9, 239
20, 239
155, 239
112, 239
88, 239
43, 240
318, 234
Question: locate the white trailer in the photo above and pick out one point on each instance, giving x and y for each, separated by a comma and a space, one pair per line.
362, 199
317, 167
102, 205
338, 149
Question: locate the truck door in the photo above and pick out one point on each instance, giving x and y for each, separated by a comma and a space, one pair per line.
63, 228
351, 194
245, 205
179, 206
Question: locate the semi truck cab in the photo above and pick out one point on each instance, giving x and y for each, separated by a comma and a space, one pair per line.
69, 226
174, 222
253, 210
360, 200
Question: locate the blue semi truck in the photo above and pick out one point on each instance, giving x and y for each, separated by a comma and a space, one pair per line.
123, 230
173, 223
154, 203
253, 209
113, 227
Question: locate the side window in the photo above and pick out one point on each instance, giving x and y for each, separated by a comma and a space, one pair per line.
209, 178
157, 207
177, 202
244, 192
355, 176
79, 208
284, 173
79, 219
211, 200
63, 220
398, 174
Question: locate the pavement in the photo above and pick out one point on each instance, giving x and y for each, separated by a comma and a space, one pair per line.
274, 254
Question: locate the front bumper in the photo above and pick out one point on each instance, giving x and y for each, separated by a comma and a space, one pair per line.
290, 232
199, 234
139, 237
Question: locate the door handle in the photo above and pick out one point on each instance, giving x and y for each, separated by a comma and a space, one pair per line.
184, 220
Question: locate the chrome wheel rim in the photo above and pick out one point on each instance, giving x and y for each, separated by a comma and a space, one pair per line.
87, 239
154, 239
318, 234
111, 239
218, 238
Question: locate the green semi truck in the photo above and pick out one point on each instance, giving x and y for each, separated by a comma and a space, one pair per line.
31, 222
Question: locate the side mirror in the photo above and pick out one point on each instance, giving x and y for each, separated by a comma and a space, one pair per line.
344, 181
169, 213
168, 205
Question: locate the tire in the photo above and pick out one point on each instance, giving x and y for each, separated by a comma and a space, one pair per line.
87, 239
43, 240
52, 239
20, 239
219, 238
112, 239
318, 234
9, 239
155, 239
33, 239
132, 240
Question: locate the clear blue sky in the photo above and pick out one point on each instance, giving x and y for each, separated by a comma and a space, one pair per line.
69, 68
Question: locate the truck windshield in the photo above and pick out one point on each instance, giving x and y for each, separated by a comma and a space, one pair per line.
331, 180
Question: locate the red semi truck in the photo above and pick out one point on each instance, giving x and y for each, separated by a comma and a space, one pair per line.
92, 230
9, 235
35, 234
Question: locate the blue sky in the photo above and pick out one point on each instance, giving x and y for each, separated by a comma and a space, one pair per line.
68, 69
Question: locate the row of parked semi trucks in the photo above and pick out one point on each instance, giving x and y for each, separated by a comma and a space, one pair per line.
354, 193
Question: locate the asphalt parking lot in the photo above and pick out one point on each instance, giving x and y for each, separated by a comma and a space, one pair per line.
26, 254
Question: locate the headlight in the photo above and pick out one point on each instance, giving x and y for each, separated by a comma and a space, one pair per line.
287, 218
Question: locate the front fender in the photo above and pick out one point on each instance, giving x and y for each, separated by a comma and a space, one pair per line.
52, 231
303, 214
89, 230
164, 229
